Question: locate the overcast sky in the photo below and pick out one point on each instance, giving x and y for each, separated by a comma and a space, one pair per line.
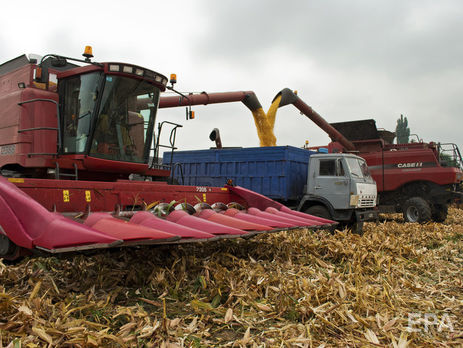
348, 60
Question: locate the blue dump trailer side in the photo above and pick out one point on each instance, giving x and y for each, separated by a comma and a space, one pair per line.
338, 188
278, 172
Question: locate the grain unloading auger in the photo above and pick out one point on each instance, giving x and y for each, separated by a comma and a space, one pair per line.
72, 138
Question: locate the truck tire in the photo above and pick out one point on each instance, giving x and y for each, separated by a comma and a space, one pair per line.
439, 212
318, 210
416, 209
321, 211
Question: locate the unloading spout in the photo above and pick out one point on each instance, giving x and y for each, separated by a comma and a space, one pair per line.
248, 98
287, 96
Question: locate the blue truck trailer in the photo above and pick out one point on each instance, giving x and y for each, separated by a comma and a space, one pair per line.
333, 186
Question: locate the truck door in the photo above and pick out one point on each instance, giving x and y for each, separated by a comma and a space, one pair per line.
332, 183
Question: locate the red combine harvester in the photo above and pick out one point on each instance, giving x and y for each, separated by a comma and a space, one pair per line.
418, 179
75, 145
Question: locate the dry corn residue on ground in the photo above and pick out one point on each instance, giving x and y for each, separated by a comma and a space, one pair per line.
398, 285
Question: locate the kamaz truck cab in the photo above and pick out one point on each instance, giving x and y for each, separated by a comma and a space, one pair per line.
340, 187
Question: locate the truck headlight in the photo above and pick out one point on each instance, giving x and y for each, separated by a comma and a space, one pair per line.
354, 200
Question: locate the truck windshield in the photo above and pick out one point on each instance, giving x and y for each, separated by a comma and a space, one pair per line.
358, 168
125, 121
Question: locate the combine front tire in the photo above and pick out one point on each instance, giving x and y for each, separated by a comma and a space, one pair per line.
8, 250
416, 209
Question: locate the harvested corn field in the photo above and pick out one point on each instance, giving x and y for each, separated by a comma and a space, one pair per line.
398, 285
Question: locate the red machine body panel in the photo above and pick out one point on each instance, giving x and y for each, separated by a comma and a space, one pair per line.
28, 131
394, 166
77, 195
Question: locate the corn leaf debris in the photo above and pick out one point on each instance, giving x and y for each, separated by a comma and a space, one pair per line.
397, 285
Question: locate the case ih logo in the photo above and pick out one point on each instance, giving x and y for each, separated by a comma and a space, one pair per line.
410, 165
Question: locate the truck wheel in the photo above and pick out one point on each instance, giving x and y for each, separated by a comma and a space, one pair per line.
321, 211
416, 209
439, 212
318, 210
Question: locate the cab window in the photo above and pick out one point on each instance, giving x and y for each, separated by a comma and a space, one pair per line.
80, 94
331, 167
327, 168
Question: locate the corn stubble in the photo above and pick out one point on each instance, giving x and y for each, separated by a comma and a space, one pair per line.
289, 289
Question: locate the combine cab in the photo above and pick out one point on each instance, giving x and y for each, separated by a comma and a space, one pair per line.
75, 144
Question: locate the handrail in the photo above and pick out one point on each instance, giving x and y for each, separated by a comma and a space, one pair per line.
60, 141
172, 137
